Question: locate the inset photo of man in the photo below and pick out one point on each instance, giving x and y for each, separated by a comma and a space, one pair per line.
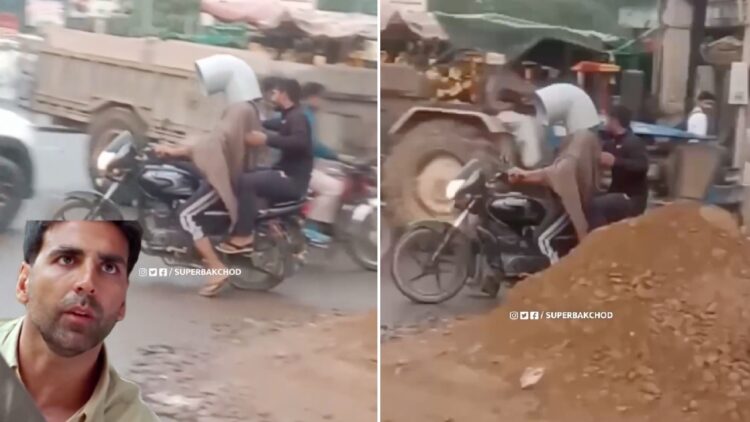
73, 283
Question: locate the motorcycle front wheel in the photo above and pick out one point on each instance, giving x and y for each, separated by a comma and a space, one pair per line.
413, 263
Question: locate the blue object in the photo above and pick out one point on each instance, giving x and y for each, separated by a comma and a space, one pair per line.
661, 131
316, 238
320, 150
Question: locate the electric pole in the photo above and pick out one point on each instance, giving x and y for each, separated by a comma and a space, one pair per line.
697, 34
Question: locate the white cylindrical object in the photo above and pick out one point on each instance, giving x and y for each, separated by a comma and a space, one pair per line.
230, 75
566, 104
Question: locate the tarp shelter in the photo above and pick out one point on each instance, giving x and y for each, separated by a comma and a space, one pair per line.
402, 24
369, 7
268, 15
514, 37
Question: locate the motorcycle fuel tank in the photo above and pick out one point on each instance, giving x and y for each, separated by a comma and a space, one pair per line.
516, 210
159, 181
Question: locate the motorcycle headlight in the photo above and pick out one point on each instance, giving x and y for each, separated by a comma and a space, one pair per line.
452, 188
104, 160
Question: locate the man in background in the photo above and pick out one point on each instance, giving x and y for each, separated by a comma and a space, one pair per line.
327, 188
73, 282
698, 119
626, 155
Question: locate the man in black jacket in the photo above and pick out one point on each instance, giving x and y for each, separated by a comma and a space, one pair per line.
288, 179
625, 154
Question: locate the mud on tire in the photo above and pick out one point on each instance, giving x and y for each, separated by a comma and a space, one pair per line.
419, 146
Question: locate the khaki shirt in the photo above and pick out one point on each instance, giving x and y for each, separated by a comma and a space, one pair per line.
113, 399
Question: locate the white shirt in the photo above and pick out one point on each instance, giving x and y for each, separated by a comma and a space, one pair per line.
698, 122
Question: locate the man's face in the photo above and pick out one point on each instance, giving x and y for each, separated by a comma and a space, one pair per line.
278, 98
75, 290
314, 102
613, 125
707, 105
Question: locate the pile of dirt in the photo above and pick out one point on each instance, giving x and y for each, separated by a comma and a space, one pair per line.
677, 282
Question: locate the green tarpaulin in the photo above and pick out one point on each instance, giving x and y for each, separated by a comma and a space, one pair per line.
513, 36
369, 7
599, 15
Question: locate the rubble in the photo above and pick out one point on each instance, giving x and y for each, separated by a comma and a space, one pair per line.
677, 347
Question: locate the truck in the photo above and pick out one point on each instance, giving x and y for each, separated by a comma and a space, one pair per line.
16, 165
103, 85
426, 141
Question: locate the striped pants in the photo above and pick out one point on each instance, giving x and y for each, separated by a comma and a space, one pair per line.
204, 199
544, 240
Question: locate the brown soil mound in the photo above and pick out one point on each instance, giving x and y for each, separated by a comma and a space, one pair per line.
678, 284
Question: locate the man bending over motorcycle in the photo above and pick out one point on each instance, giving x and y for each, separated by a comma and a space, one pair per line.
574, 175
288, 179
222, 157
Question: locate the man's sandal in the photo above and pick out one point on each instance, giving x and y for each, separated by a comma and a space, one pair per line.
230, 248
213, 289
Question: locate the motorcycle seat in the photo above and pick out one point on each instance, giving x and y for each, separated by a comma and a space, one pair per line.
281, 209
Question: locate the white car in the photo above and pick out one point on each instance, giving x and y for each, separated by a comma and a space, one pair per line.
16, 166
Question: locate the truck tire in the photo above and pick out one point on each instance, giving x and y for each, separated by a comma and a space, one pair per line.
104, 127
426, 158
11, 185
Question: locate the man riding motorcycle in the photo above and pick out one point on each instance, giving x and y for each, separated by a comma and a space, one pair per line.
575, 174
223, 156
289, 178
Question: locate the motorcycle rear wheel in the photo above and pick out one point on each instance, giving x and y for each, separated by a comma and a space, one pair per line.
427, 240
84, 207
268, 264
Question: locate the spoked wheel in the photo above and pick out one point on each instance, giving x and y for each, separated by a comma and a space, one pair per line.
362, 237
264, 268
80, 210
425, 276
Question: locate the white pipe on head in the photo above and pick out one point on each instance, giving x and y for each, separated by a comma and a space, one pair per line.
567, 104
230, 75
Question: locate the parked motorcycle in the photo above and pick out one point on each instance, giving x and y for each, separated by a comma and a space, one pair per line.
494, 240
356, 227
163, 187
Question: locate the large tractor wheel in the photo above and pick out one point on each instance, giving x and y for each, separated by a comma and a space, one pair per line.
426, 158
105, 127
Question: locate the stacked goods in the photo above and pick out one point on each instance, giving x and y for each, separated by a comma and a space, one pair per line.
677, 282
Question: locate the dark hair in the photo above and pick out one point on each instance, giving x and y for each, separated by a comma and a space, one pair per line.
34, 237
706, 96
269, 83
623, 115
291, 88
312, 89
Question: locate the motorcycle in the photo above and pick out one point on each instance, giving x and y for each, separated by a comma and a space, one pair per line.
163, 187
499, 237
356, 226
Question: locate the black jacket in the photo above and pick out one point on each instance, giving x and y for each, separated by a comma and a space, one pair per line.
294, 140
630, 171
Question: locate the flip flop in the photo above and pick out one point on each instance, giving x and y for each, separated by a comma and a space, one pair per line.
213, 289
230, 248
